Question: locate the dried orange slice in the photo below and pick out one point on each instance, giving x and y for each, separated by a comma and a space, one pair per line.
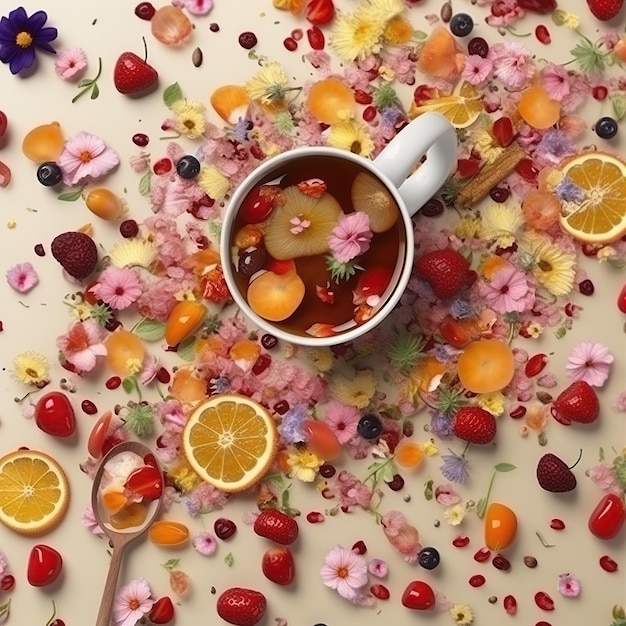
230, 102
461, 109
599, 216
230, 441
34, 492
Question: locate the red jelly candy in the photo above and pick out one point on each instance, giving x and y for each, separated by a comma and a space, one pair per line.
145, 481
418, 595
607, 519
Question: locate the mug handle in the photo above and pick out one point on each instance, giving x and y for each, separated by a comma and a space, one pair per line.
430, 134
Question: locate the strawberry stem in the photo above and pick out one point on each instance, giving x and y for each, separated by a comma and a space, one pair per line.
580, 456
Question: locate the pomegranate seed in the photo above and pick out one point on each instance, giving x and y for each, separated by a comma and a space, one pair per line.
500, 194
501, 563
297, 34
224, 528
557, 524
362, 97
542, 34
460, 542
542, 623
162, 166
477, 580
510, 604
380, 591
544, 601
527, 170
599, 92
503, 131
482, 555
518, 412
145, 11
586, 287
467, 167
89, 407
316, 38
281, 407
608, 564
326, 470
8, 582
113, 383
261, 364
214, 27
369, 113
248, 40
290, 44
163, 376
315, 517
141, 140
359, 547
535, 364
39, 250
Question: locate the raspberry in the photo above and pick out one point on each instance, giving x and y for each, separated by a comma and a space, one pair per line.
76, 252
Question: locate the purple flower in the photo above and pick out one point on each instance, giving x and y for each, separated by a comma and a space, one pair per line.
291, 426
20, 35
461, 309
441, 426
568, 191
554, 146
454, 468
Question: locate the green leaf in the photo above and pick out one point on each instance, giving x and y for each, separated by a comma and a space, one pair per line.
4, 610
71, 195
144, 183
284, 499
129, 384
229, 559
504, 467
172, 94
170, 564
86, 82
215, 229
186, 349
560, 332
618, 102
95, 92
150, 330
428, 490
419, 35
588, 57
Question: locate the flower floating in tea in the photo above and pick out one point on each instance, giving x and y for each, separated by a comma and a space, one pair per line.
371, 197
302, 225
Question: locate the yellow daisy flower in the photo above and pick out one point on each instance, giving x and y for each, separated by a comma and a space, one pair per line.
303, 465
269, 85
357, 392
384, 10
190, 120
133, 253
501, 222
183, 105
462, 615
322, 359
454, 515
430, 448
356, 35
31, 368
468, 226
213, 182
534, 330
184, 477
492, 402
552, 267
351, 135
487, 146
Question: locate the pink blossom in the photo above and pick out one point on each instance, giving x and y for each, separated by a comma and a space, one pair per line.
196, 7
402, 535
568, 586
342, 419
204, 499
603, 477
504, 13
22, 277
132, 602
554, 80
118, 287
590, 362
70, 64
345, 571
476, 69
378, 568
86, 156
620, 403
205, 543
513, 65
351, 237
149, 369
350, 490
82, 344
446, 495
139, 163
508, 291
88, 520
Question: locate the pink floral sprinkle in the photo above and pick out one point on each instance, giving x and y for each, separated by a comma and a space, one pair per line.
446, 495
88, 520
568, 586
351, 237
590, 362
22, 277
555, 81
513, 65
342, 419
196, 7
508, 291
70, 64
620, 403
378, 568
86, 156
118, 287
132, 602
476, 69
205, 543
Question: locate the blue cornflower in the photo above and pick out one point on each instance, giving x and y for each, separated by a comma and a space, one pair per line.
389, 116
291, 426
454, 468
219, 385
555, 145
461, 309
440, 425
241, 130
568, 191
20, 35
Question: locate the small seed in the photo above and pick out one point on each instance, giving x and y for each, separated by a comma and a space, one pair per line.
492, 599
544, 397
530, 561
446, 12
197, 57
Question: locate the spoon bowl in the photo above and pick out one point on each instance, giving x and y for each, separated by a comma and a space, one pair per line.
120, 539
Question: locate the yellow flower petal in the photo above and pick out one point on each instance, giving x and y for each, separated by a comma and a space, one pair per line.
213, 182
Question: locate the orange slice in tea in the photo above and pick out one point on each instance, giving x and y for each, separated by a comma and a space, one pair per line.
302, 225
370, 196
230, 441
600, 215
275, 297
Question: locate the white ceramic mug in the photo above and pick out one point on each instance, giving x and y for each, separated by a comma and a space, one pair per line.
430, 135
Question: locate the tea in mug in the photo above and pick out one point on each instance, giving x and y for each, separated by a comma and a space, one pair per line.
317, 246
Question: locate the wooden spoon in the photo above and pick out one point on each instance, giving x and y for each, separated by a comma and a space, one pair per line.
120, 539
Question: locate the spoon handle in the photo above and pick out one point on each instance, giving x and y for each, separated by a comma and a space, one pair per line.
108, 594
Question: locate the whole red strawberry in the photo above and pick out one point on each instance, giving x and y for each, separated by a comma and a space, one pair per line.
240, 606
276, 526
554, 475
474, 424
605, 10
444, 270
278, 565
578, 403
133, 76
76, 252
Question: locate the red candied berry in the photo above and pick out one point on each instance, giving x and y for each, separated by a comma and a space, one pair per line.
257, 206
586, 287
224, 528
7, 582
467, 167
396, 483
369, 113
89, 407
518, 412
501, 563
544, 601
39, 250
359, 547
535, 364
297, 34
290, 44
141, 140
163, 376
599, 92
316, 38
482, 555
510, 604
527, 170
113, 383
362, 97
503, 131
129, 229
261, 364
380, 591
281, 407
499, 194
557, 524
542, 34
460, 541
315, 517
477, 45
145, 11
477, 580
608, 564
247, 40
162, 166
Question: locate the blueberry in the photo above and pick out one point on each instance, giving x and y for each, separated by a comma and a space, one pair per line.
370, 426
606, 128
188, 166
428, 558
49, 174
461, 24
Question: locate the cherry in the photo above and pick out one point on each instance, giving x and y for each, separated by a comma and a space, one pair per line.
224, 528
54, 414
257, 206
146, 481
248, 40
44, 565
145, 11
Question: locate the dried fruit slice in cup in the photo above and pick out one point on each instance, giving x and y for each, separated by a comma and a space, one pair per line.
371, 197
275, 296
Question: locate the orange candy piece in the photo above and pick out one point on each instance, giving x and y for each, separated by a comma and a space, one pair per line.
321, 440
131, 516
328, 98
168, 533
44, 143
230, 102
125, 352
537, 109
104, 203
486, 366
188, 388
408, 454
184, 320
440, 55
114, 501
500, 526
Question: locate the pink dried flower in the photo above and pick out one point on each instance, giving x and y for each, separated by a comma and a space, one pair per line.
402, 535
86, 156
351, 237
590, 362
378, 568
22, 277
476, 69
4, 565
70, 64
139, 163
554, 79
88, 520
602, 477
150, 368
508, 291
82, 344
620, 403
342, 419
196, 7
119, 287
205, 543
568, 586
513, 65
132, 602
344, 571
446, 495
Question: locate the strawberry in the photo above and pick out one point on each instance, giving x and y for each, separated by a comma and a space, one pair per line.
474, 424
554, 475
444, 270
276, 526
605, 10
320, 12
76, 252
132, 76
278, 566
241, 607
578, 403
